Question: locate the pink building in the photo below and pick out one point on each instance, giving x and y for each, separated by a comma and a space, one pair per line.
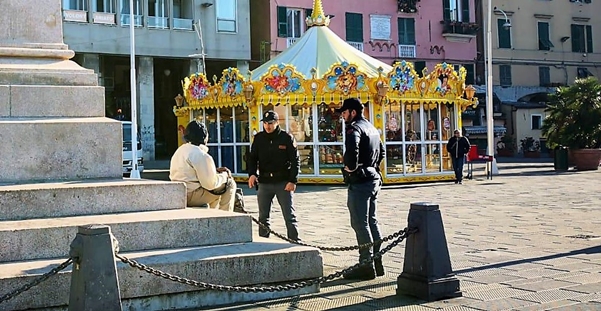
425, 32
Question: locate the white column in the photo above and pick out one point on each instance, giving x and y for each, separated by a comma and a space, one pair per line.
146, 115
195, 66
243, 67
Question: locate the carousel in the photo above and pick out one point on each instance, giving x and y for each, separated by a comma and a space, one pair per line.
415, 113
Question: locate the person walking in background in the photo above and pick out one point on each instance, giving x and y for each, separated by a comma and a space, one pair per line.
364, 151
273, 167
458, 146
192, 164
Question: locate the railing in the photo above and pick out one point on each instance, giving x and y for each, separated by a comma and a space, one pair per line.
460, 28
290, 41
137, 20
356, 45
406, 51
158, 22
104, 18
182, 23
75, 16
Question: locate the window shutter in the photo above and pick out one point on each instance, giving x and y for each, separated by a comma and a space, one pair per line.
282, 22
465, 11
354, 27
410, 29
543, 36
505, 75
544, 76
589, 39
504, 35
446, 10
576, 39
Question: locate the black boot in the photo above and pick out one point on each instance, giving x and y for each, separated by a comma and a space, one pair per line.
378, 261
362, 273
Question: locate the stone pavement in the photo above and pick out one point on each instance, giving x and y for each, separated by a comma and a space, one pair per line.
527, 240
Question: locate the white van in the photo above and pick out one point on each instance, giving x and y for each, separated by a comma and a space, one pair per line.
127, 154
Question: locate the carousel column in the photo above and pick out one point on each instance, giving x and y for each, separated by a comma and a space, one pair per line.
146, 85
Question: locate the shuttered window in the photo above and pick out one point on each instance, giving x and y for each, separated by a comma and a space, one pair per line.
544, 43
504, 34
582, 38
282, 22
354, 27
406, 31
544, 76
505, 75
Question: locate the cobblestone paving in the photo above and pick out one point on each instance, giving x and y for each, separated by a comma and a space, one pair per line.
530, 239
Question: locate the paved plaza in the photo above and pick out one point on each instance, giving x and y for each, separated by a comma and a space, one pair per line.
527, 240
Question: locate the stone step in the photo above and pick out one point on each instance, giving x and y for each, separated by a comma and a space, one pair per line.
261, 262
46, 149
50, 238
89, 197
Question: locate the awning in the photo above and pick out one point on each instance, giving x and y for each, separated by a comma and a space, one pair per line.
482, 129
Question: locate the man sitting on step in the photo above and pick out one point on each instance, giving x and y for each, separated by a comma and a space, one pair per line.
205, 183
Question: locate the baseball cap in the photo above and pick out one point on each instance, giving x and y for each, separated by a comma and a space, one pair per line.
270, 116
351, 104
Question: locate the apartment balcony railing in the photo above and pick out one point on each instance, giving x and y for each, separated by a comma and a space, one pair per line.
104, 18
459, 31
290, 41
182, 23
158, 22
407, 6
356, 45
137, 20
75, 16
406, 51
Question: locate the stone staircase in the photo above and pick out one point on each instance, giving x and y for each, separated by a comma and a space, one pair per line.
61, 167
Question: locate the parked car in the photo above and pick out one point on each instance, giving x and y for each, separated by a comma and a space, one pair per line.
127, 150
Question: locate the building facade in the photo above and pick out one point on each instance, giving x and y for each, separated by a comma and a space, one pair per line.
167, 48
422, 32
549, 44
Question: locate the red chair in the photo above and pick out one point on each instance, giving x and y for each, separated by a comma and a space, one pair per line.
474, 157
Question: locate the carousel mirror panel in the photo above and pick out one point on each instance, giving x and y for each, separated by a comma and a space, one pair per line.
330, 139
448, 126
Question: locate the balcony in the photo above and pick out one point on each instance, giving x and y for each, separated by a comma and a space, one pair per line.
75, 16
407, 6
158, 22
356, 45
455, 31
290, 41
406, 51
182, 24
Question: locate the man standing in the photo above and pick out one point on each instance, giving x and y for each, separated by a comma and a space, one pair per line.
192, 164
362, 157
275, 156
458, 146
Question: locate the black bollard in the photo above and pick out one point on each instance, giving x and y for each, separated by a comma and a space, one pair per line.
94, 282
427, 272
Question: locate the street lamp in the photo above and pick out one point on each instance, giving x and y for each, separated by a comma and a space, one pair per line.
489, 94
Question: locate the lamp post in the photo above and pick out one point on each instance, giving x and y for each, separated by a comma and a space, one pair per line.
489, 93
135, 174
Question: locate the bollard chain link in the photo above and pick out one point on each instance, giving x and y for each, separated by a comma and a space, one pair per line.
328, 248
256, 289
37, 281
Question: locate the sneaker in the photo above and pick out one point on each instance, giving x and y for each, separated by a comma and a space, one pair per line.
379, 267
363, 273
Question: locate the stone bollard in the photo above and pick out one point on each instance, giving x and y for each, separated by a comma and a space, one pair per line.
94, 282
427, 272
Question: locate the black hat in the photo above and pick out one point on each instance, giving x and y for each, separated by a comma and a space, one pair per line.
351, 104
196, 133
270, 116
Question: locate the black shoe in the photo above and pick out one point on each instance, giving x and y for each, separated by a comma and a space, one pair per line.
363, 273
456, 181
379, 267
460, 182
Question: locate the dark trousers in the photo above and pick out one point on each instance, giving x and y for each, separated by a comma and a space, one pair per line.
458, 168
265, 196
362, 204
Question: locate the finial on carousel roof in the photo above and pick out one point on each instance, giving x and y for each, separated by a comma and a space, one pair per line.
318, 17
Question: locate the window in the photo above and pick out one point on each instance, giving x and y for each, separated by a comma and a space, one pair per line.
406, 31
456, 10
536, 121
138, 12
505, 75
104, 6
582, 72
157, 14
354, 27
419, 67
76, 5
226, 15
290, 22
504, 34
544, 76
582, 38
544, 43
469, 73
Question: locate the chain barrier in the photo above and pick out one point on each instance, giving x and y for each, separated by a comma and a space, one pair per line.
37, 281
327, 248
275, 288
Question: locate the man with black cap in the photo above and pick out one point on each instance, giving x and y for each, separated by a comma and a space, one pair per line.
364, 151
273, 166
205, 183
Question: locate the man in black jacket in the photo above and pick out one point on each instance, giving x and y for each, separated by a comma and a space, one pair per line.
362, 157
458, 146
275, 156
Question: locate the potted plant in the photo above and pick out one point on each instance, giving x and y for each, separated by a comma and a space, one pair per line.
574, 121
530, 147
506, 147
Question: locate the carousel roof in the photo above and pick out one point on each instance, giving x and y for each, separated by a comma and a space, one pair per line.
320, 48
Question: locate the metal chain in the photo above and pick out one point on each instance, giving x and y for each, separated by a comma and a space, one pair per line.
256, 289
37, 281
327, 248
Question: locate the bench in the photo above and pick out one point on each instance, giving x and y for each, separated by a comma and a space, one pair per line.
474, 157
